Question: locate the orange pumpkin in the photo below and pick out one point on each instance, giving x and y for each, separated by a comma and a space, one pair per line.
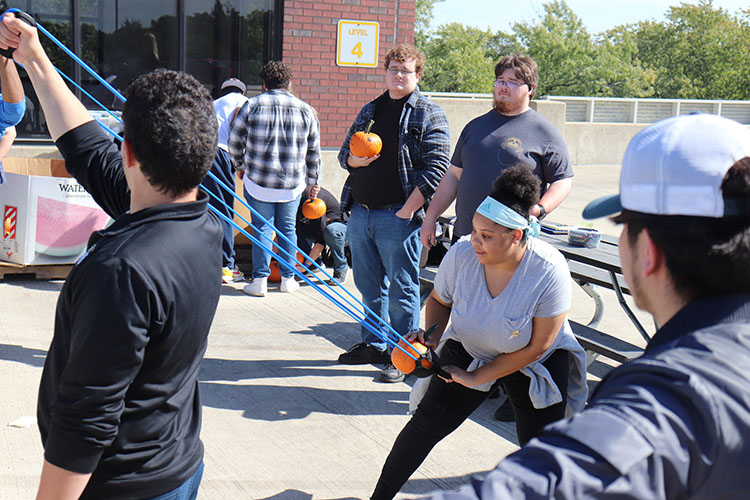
275, 276
421, 367
314, 208
366, 143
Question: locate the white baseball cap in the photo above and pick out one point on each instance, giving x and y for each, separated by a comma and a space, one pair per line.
234, 82
676, 167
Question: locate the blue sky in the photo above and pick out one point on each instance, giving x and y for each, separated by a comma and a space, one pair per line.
597, 15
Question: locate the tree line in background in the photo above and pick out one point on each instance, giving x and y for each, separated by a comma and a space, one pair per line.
697, 52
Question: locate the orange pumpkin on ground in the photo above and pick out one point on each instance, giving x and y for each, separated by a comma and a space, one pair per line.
275, 276
366, 143
314, 208
421, 367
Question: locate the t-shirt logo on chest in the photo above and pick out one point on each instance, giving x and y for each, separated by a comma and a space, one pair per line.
512, 143
510, 152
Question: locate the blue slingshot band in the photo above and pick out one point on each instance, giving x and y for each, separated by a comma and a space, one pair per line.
507, 217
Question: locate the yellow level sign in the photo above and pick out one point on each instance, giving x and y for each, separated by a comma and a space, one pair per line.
357, 43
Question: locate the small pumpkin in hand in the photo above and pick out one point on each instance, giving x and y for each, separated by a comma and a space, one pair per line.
314, 208
366, 144
421, 367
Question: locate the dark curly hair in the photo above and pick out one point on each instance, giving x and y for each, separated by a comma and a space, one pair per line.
276, 75
169, 120
705, 256
518, 188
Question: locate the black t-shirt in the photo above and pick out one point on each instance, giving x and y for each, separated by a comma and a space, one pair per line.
379, 184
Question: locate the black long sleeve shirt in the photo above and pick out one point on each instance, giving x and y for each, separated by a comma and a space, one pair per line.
119, 392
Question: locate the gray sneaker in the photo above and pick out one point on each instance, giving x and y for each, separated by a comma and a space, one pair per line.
391, 374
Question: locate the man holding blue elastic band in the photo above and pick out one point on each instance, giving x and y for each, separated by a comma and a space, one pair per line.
12, 108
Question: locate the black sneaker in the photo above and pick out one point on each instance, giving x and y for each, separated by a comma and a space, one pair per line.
505, 413
391, 374
363, 354
338, 276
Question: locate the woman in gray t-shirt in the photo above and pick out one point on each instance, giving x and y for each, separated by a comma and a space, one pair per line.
507, 296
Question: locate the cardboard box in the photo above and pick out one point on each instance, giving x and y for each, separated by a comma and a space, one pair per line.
47, 215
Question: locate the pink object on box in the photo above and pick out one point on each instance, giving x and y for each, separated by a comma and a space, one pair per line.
63, 229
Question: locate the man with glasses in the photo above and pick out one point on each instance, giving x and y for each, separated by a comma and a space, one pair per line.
386, 194
509, 134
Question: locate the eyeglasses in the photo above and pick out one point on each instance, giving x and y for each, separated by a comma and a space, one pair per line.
509, 83
401, 72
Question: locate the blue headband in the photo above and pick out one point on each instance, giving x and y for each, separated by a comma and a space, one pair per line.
507, 217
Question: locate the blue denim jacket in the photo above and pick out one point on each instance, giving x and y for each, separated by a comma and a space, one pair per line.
424, 145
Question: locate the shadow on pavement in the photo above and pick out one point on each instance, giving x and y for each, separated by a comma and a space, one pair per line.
20, 354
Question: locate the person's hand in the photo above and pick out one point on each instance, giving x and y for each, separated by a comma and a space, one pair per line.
361, 161
428, 233
405, 214
313, 191
460, 376
17, 34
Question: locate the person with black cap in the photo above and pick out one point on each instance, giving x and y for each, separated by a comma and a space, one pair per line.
674, 422
226, 108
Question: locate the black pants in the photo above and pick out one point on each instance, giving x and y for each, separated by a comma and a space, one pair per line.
445, 406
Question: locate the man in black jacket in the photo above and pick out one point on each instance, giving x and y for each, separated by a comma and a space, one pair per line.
118, 406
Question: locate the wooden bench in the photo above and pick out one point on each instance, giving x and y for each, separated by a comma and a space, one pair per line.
603, 344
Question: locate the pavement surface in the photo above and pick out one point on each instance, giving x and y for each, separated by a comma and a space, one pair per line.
282, 420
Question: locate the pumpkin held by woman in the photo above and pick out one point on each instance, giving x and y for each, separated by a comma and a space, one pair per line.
420, 367
366, 144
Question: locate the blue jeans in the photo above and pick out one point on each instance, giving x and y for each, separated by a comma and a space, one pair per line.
335, 237
385, 261
223, 169
282, 215
187, 491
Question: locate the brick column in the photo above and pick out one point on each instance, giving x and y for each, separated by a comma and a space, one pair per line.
309, 48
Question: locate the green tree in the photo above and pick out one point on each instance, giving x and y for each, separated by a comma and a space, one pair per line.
699, 52
422, 20
457, 60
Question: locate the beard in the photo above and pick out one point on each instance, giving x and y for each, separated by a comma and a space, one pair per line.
507, 107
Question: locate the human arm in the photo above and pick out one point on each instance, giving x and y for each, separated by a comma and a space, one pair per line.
13, 105
555, 194
238, 132
444, 196
434, 147
6, 141
106, 311
62, 110
60, 484
436, 312
312, 159
543, 334
10, 83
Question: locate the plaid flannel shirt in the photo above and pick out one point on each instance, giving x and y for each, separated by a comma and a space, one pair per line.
424, 145
275, 139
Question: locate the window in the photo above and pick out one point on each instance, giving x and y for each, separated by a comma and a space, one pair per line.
121, 39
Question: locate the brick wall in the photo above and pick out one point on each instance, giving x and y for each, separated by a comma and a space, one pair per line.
309, 48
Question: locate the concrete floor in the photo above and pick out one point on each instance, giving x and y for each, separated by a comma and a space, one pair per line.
282, 420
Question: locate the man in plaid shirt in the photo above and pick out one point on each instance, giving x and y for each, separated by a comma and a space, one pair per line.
275, 143
386, 194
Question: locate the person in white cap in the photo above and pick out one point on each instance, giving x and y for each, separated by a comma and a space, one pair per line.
226, 107
675, 422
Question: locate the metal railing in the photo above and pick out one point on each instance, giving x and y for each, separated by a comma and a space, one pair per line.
630, 110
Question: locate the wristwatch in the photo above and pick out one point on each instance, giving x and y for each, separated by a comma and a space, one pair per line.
542, 211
